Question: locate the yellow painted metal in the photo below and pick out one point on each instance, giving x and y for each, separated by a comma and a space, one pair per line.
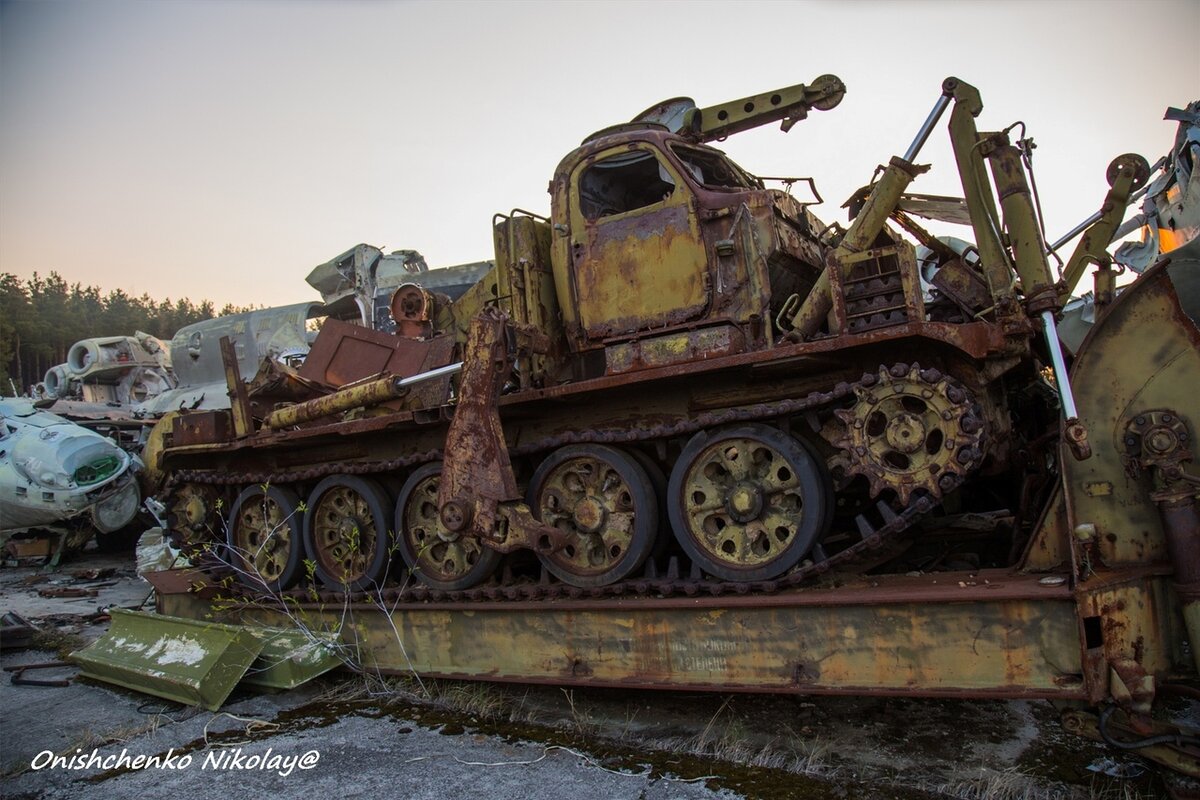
985, 222
485, 292
885, 194
672, 348
151, 477
243, 422
1133, 619
789, 105
1049, 547
1143, 357
361, 396
641, 269
526, 291
1020, 222
1127, 173
958, 633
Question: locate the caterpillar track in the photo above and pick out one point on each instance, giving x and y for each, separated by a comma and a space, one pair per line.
885, 523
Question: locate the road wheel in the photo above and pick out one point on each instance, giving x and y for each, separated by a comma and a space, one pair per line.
747, 503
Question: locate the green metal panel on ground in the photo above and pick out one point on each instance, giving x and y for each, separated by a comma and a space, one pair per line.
290, 658
185, 660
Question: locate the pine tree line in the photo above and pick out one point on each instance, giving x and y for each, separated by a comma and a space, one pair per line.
40, 318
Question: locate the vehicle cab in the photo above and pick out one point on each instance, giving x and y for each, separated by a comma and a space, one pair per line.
664, 249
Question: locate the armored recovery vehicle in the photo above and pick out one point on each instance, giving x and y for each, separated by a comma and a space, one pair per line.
686, 435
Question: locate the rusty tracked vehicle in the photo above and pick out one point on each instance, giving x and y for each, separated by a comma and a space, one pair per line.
684, 434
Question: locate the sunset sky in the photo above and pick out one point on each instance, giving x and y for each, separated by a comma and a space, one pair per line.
222, 149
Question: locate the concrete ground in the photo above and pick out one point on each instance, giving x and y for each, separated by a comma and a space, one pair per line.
360, 752
443, 739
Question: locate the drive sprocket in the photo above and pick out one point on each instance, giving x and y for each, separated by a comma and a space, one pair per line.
911, 430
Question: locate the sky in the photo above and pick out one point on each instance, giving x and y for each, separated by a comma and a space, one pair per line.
221, 149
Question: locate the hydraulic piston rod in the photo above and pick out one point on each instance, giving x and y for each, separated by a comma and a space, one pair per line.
1060, 365
361, 396
927, 127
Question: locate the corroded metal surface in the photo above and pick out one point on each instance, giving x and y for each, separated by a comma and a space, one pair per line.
1111, 390
912, 430
363, 395
346, 353
870, 487
981, 634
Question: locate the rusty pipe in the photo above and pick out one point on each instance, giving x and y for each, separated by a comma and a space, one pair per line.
362, 396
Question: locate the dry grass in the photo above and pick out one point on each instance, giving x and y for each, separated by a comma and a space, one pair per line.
479, 701
732, 741
1012, 784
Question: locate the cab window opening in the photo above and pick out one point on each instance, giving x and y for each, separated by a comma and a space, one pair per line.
622, 183
711, 169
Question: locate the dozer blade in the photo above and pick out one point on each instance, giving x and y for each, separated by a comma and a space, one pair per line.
290, 658
190, 662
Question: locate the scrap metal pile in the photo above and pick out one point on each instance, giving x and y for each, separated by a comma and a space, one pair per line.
682, 415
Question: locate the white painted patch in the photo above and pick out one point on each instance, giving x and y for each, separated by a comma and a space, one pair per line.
181, 650
124, 644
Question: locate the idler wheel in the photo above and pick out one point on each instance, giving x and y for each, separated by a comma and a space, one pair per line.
264, 537
604, 500
346, 533
748, 502
193, 517
435, 555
